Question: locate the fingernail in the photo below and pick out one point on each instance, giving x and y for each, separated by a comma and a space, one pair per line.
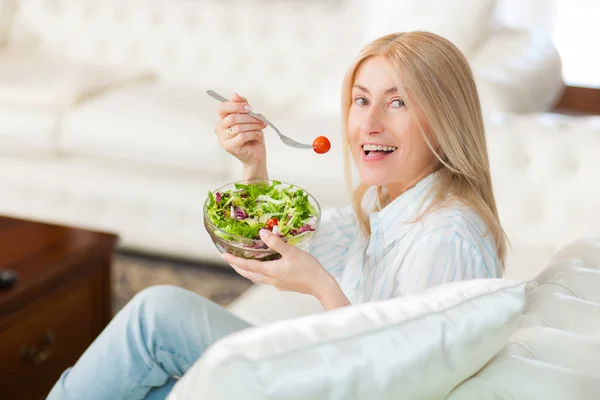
264, 233
247, 107
259, 133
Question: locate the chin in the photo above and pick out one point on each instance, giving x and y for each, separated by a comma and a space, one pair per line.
372, 177
376, 172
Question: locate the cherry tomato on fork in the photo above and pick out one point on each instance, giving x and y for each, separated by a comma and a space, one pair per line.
271, 222
321, 145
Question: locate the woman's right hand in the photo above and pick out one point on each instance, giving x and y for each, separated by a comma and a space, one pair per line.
241, 134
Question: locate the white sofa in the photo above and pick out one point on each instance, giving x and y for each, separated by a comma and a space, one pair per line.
480, 339
104, 120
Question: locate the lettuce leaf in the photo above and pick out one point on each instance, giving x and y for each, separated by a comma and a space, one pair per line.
258, 202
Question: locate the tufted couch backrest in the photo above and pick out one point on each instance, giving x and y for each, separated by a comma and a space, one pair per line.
535, 15
260, 46
546, 176
281, 50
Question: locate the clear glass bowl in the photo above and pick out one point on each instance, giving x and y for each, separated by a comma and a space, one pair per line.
256, 249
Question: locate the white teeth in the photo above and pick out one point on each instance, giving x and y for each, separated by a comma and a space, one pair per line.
376, 147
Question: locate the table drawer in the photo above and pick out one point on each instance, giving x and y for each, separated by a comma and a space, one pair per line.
39, 346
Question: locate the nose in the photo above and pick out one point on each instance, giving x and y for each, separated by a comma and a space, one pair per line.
372, 123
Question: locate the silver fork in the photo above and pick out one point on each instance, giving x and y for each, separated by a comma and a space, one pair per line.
286, 140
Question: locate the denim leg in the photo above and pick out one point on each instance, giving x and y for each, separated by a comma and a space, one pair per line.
159, 334
161, 393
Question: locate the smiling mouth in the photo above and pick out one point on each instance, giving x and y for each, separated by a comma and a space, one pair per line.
378, 149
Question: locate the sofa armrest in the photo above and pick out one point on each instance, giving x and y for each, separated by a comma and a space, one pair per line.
517, 71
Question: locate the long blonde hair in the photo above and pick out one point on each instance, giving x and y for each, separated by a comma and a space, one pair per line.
440, 83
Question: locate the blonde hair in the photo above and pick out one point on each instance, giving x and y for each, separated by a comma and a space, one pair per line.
441, 86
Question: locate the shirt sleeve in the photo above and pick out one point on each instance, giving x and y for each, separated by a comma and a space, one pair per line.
338, 228
435, 260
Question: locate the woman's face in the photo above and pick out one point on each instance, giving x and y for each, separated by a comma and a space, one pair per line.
386, 142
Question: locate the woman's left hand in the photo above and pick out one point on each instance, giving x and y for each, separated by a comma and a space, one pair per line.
295, 271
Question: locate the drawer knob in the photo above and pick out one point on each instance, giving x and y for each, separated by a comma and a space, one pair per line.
33, 355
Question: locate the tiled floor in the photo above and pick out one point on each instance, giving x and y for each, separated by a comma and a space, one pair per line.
132, 273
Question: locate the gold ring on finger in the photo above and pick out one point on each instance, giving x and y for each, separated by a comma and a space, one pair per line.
230, 132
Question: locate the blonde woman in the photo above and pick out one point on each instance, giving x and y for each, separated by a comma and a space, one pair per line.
424, 214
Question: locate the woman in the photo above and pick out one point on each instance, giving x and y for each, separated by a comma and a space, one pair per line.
423, 214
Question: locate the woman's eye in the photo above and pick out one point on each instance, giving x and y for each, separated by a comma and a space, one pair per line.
398, 103
361, 101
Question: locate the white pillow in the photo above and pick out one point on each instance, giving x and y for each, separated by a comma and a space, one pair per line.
463, 22
414, 347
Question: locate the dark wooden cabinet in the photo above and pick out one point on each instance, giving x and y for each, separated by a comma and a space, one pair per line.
60, 303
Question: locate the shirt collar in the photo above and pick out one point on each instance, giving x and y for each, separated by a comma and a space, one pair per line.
395, 216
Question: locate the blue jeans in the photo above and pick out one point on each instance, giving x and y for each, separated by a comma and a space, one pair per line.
153, 340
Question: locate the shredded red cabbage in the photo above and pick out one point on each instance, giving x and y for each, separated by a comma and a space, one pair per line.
302, 229
239, 213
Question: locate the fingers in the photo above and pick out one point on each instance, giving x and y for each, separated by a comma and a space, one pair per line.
238, 123
253, 276
275, 242
239, 128
242, 135
239, 140
237, 98
232, 145
232, 107
237, 105
247, 265
235, 119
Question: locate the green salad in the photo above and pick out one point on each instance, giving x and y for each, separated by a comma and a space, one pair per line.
244, 211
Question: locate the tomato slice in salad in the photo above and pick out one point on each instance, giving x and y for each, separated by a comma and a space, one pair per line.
271, 222
321, 145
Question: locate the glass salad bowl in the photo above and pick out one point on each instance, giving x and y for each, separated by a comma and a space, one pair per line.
235, 213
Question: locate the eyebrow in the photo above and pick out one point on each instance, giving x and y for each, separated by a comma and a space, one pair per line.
387, 91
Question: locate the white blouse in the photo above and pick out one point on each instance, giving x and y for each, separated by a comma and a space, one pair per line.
399, 258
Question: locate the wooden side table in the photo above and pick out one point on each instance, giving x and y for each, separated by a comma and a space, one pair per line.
59, 305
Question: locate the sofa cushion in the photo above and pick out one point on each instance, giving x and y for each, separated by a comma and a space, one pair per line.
38, 80
148, 125
516, 378
413, 347
555, 352
466, 29
517, 72
262, 304
28, 130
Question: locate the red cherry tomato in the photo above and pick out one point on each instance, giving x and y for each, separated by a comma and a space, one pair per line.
271, 222
321, 145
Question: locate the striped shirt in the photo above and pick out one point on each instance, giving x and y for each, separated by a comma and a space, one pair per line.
402, 256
